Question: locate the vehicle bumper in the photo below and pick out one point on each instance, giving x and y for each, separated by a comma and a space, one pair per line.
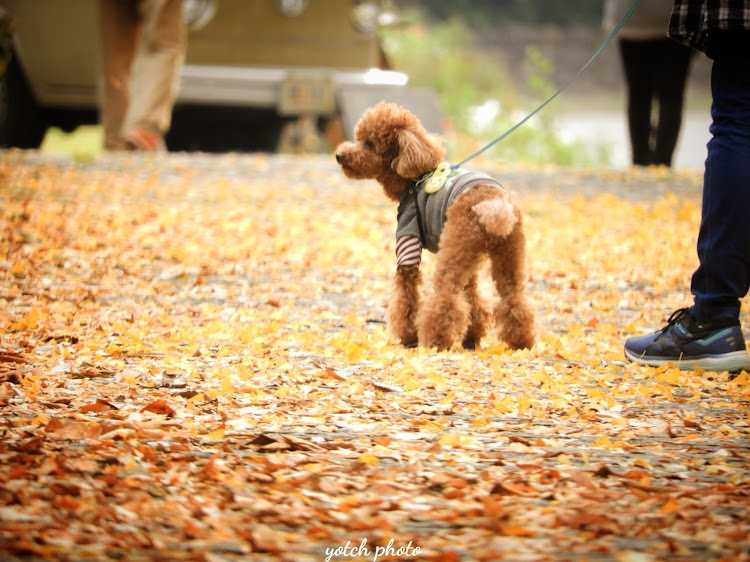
272, 87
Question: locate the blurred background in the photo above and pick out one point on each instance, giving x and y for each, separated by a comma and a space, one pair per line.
294, 75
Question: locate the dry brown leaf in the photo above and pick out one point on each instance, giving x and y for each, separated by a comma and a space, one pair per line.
159, 407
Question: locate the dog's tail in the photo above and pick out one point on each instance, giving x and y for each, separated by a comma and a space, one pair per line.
498, 216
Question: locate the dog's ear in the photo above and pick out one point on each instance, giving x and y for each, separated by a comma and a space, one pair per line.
418, 153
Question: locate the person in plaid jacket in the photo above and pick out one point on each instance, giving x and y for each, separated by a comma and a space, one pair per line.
708, 334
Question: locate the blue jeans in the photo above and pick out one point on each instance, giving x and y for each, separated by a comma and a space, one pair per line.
723, 276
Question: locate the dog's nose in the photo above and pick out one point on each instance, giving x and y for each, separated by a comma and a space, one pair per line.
339, 157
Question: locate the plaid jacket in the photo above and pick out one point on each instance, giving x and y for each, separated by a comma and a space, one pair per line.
692, 19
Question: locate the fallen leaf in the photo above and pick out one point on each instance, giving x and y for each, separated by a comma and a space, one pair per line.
159, 407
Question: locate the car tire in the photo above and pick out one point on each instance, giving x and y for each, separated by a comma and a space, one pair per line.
22, 122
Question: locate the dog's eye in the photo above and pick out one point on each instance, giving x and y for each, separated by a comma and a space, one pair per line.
369, 145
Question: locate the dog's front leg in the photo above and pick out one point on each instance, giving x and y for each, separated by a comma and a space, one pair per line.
402, 310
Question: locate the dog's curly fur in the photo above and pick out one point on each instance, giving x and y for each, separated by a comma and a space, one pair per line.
392, 147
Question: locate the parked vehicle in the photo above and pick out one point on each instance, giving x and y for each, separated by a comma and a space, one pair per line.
251, 66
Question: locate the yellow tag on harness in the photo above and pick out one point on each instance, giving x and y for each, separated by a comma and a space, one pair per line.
437, 179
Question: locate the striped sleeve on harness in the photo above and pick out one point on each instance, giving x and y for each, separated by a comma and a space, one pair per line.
408, 251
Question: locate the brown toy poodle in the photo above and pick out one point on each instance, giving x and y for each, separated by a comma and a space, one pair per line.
463, 216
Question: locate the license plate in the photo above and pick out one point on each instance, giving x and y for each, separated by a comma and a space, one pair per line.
306, 94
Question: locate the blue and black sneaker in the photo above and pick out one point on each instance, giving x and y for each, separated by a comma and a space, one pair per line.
715, 346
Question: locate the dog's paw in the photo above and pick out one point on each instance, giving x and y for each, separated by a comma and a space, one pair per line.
410, 342
515, 320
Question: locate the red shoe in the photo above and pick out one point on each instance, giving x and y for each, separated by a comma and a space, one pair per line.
146, 140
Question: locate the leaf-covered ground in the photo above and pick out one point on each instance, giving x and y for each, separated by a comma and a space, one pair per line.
194, 366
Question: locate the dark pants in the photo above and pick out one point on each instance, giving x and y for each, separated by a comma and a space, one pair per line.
723, 276
655, 69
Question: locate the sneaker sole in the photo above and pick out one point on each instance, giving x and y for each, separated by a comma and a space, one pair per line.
735, 361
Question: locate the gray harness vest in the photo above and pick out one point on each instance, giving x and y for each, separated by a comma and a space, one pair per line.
422, 214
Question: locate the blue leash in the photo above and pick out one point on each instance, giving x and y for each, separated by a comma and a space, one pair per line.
607, 41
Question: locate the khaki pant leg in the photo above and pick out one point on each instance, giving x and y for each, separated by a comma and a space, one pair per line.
155, 78
118, 30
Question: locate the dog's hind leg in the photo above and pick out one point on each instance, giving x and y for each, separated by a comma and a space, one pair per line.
443, 319
480, 315
514, 314
444, 316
